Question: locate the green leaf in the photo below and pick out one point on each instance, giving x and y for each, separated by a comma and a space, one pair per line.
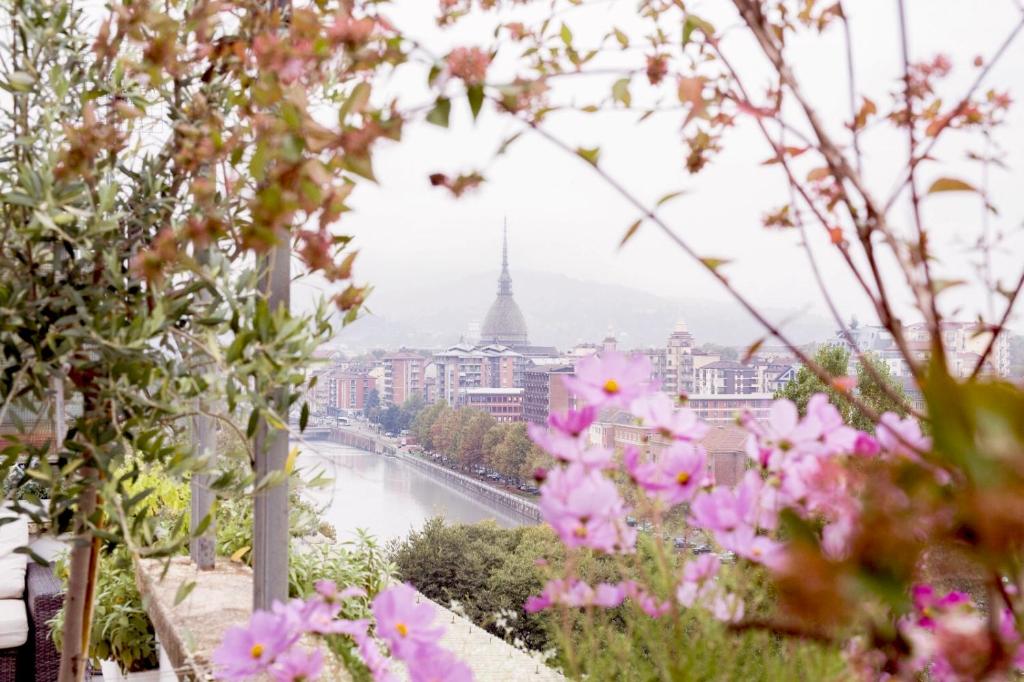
632, 230
356, 101
590, 155
566, 35
714, 263
304, 416
440, 113
620, 92
670, 196
951, 185
693, 22
622, 38
475, 95
184, 590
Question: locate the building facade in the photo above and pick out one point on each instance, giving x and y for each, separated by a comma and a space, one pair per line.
679, 362
465, 366
403, 378
724, 408
544, 392
504, 404
726, 376
353, 389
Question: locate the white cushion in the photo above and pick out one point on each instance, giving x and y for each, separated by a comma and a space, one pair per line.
13, 534
12, 576
13, 623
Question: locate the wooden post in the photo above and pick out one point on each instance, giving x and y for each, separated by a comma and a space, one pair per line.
270, 510
202, 548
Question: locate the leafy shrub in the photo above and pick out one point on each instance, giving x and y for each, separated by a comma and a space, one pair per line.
121, 630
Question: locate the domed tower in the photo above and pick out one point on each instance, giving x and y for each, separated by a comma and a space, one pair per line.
504, 323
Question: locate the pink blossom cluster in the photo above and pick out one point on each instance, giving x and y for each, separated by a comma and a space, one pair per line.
952, 640
797, 463
469, 63
273, 643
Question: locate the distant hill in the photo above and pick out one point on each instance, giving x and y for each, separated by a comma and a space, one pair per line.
559, 311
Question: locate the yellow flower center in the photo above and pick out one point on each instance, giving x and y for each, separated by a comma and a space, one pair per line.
581, 531
257, 650
611, 387
682, 478
402, 628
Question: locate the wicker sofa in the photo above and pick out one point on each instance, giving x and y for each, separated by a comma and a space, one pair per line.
37, 658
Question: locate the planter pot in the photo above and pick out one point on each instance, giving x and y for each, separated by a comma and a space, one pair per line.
112, 673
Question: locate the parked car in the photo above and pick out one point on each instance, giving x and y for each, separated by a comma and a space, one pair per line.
701, 549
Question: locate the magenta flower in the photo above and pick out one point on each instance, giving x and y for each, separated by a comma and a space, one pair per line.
573, 423
377, 663
249, 651
405, 625
866, 445
757, 548
659, 412
902, 436
298, 665
435, 664
611, 379
329, 591
930, 605
585, 509
576, 593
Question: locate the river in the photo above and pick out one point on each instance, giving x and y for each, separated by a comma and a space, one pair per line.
387, 496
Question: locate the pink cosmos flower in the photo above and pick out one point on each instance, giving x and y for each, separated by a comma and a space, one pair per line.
728, 608
866, 445
611, 379
757, 548
403, 624
660, 412
771, 444
298, 665
674, 477
376, 662
585, 509
902, 436
576, 594
698, 579
725, 512
825, 420
928, 604
435, 664
573, 423
328, 590
249, 651
569, 449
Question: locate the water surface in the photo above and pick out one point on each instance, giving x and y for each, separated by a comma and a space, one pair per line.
387, 496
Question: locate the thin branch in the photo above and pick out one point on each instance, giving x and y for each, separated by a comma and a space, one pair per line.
929, 295
851, 87
1000, 328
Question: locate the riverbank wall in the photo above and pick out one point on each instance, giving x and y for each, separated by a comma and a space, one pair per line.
371, 443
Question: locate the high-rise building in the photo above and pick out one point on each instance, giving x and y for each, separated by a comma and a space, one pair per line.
679, 361
465, 366
545, 393
353, 389
403, 377
726, 376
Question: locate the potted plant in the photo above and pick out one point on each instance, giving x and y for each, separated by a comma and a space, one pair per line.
123, 643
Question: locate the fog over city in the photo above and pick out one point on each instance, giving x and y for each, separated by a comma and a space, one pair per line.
416, 240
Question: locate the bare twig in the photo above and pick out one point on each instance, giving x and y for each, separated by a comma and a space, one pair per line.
928, 295
1000, 328
964, 101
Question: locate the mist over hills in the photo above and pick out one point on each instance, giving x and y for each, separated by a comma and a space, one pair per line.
560, 311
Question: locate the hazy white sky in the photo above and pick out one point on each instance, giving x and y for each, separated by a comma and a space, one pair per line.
563, 218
